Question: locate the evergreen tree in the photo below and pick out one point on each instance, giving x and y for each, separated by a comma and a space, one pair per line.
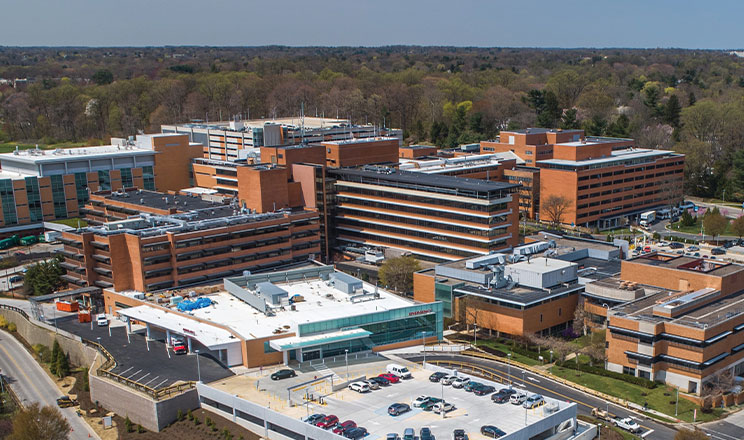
691, 99
597, 126
63, 365
672, 111
568, 120
56, 350
620, 127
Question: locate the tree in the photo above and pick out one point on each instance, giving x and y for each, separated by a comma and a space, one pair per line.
62, 365
555, 206
43, 278
686, 434
103, 77
579, 322
620, 127
596, 349
34, 422
397, 273
568, 120
714, 223
687, 219
672, 111
56, 350
737, 226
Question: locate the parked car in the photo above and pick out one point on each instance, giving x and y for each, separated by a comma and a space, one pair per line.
693, 248
502, 396
447, 380
327, 422
180, 348
470, 385
341, 427
627, 424
381, 381
392, 436
425, 434
459, 434
729, 244
66, 402
373, 385
460, 382
283, 374
420, 400
430, 403
355, 433
484, 390
313, 418
397, 409
436, 377
718, 251
676, 245
533, 401
16, 279
517, 398
399, 370
391, 378
409, 434
443, 406
359, 387
101, 320
492, 431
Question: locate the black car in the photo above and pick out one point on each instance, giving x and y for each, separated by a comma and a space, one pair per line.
381, 381
492, 431
676, 245
502, 396
425, 434
283, 374
718, 251
459, 434
483, 390
436, 377
355, 433
429, 404
397, 409
314, 418
729, 244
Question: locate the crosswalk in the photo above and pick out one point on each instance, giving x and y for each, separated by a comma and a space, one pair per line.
324, 370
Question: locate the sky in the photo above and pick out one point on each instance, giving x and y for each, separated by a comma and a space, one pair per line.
486, 23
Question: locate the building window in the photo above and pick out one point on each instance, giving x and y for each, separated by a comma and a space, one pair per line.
148, 178
267, 348
628, 370
8, 201
540, 317
104, 181
58, 197
81, 188
644, 374
126, 178
559, 311
34, 199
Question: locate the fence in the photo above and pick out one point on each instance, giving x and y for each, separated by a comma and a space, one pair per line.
15, 309
4, 385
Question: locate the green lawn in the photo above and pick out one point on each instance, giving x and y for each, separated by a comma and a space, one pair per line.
695, 229
507, 349
72, 222
9, 147
655, 398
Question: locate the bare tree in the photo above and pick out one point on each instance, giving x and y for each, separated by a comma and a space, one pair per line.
719, 383
580, 316
37, 422
555, 207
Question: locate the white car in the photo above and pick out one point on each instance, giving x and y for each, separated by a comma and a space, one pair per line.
359, 387
627, 424
447, 380
443, 406
372, 385
533, 401
101, 320
460, 382
420, 400
517, 398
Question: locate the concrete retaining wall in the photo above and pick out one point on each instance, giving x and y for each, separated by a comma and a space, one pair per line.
36, 332
141, 409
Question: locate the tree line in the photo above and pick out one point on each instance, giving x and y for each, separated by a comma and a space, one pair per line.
689, 101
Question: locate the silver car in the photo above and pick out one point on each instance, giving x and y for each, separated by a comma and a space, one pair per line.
460, 382
447, 380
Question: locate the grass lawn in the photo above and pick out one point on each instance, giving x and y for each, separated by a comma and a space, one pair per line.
9, 147
656, 398
507, 349
695, 229
72, 222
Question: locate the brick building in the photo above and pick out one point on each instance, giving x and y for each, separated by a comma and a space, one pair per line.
44, 185
176, 240
688, 330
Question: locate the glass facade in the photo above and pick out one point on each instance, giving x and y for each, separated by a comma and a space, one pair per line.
126, 178
81, 188
388, 327
58, 197
34, 199
445, 294
104, 181
148, 177
8, 201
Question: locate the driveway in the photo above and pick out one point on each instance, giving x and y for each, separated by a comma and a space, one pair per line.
31, 384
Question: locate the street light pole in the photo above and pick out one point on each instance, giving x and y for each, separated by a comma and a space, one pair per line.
346, 359
677, 402
423, 345
443, 404
198, 369
508, 368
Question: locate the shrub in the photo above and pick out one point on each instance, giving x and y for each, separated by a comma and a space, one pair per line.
140, 429
86, 380
3, 322
179, 416
649, 384
43, 352
128, 424
209, 421
190, 415
197, 422
12, 327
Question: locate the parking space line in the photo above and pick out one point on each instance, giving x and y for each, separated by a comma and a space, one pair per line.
151, 380
161, 383
124, 372
146, 374
134, 374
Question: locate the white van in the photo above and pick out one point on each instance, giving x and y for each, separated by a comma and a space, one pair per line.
399, 370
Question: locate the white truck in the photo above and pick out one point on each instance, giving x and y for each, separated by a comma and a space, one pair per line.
627, 424
647, 218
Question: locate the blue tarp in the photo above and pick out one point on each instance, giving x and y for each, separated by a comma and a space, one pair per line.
200, 303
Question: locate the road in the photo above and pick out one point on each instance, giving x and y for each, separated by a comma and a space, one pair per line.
31, 384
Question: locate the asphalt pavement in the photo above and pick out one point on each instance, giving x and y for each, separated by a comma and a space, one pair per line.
31, 384
150, 363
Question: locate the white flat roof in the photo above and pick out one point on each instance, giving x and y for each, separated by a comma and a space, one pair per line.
446, 165
66, 154
617, 155
210, 336
541, 265
321, 302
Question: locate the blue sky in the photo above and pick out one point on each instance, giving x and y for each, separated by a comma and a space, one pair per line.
567, 23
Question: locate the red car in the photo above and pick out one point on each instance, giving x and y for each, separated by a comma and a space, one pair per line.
180, 348
327, 422
390, 377
341, 427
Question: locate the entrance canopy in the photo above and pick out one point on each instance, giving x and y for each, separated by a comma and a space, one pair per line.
293, 342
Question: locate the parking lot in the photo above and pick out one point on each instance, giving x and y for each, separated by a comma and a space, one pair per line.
157, 367
370, 410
